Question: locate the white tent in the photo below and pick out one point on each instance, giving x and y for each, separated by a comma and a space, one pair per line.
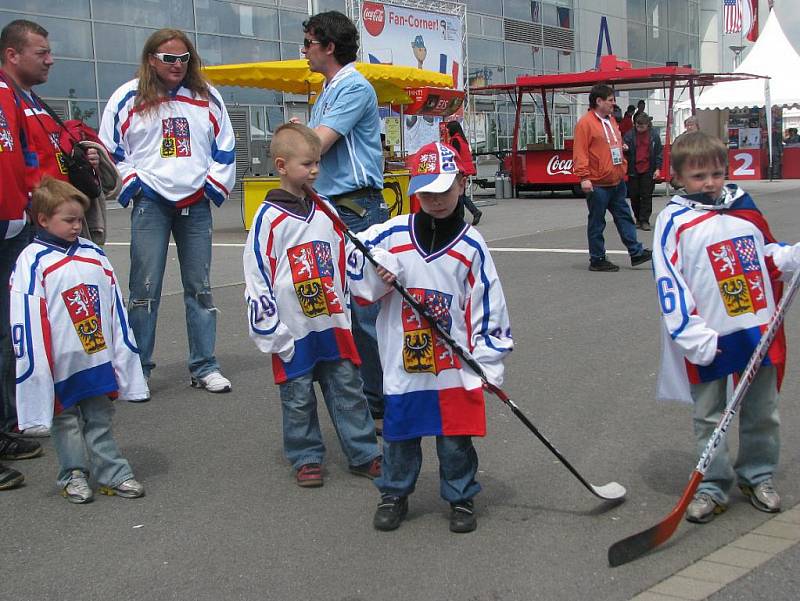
772, 56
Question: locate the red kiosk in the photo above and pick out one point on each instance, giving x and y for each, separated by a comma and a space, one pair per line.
548, 168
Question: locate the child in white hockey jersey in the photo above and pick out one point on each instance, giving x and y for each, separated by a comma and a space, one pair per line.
294, 268
446, 265
719, 273
74, 347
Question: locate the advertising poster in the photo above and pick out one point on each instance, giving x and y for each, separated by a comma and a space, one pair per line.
413, 37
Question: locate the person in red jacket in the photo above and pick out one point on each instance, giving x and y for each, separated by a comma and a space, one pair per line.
18, 175
457, 139
28, 68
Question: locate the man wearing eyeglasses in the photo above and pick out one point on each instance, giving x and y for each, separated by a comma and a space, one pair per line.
169, 133
345, 117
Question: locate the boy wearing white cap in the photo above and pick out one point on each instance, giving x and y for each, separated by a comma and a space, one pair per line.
446, 265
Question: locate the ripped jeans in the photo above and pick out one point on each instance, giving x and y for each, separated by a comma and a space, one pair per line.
151, 224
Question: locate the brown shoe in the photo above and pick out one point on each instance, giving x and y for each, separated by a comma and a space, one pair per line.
309, 475
370, 469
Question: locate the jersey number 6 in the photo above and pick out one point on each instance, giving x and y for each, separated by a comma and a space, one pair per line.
666, 295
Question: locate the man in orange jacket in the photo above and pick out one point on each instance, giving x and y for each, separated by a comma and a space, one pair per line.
600, 164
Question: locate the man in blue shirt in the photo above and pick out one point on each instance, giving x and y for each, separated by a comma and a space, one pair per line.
345, 117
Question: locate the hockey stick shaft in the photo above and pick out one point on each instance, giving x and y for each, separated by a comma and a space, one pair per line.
638, 544
611, 491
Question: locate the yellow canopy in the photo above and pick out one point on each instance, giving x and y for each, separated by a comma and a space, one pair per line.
294, 76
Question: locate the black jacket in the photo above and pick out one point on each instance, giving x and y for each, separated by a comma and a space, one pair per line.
656, 151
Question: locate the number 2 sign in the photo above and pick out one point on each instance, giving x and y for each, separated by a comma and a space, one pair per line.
744, 164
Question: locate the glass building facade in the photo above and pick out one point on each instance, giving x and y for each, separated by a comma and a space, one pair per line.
97, 46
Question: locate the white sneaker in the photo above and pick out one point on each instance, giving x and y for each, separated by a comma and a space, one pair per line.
130, 489
77, 489
213, 382
36, 432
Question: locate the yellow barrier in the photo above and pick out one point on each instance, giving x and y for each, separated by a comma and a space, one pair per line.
395, 192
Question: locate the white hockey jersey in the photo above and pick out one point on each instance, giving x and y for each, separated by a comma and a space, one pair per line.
181, 150
296, 290
70, 331
718, 273
427, 390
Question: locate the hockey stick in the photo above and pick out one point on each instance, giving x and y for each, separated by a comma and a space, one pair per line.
638, 544
612, 491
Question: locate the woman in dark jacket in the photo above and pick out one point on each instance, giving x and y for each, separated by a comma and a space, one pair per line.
644, 155
456, 139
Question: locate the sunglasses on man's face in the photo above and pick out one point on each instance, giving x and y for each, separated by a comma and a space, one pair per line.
171, 59
307, 43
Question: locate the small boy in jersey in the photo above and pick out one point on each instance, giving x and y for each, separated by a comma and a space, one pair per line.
719, 273
74, 346
294, 268
445, 264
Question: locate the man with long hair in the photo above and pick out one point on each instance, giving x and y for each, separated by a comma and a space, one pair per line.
171, 137
345, 117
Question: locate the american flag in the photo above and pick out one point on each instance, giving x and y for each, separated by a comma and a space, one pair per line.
732, 13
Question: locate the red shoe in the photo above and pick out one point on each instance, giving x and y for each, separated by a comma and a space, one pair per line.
371, 469
309, 475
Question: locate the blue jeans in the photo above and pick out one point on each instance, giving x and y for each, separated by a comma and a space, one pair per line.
344, 396
86, 428
363, 317
612, 199
759, 436
9, 251
458, 464
151, 224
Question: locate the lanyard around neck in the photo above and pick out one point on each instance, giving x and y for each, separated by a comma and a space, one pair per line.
606, 123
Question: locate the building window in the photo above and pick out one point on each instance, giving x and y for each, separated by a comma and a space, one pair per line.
219, 50
146, 13
68, 38
78, 9
237, 19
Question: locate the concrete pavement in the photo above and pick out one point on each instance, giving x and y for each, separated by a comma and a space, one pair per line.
223, 518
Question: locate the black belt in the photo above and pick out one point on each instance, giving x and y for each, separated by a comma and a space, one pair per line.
347, 200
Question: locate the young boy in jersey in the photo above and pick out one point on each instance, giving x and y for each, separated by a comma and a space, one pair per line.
718, 274
446, 265
74, 346
294, 268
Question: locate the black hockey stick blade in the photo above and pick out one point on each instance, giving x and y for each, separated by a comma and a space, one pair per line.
636, 545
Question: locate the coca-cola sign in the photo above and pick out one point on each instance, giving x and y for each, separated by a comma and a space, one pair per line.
374, 15
556, 165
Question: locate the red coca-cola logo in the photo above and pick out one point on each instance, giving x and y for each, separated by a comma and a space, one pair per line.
555, 166
374, 16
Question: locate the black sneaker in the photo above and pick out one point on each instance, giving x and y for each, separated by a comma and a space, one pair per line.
645, 226
391, 511
462, 517
603, 265
646, 256
12, 448
9, 478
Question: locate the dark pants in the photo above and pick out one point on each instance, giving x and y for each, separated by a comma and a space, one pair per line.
9, 251
611, 199
640, 188
364, 333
